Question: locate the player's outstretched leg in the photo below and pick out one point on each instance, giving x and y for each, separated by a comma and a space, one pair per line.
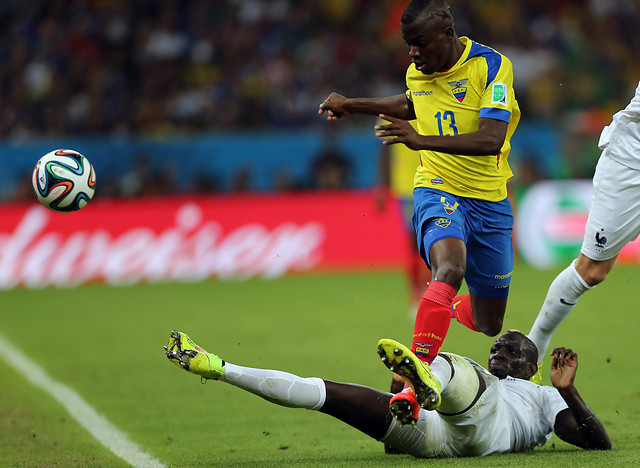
182, 351
399, 359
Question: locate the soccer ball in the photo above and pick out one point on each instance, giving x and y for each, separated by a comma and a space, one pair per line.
64, 180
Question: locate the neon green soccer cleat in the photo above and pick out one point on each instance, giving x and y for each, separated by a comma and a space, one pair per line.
399, 359
182, 351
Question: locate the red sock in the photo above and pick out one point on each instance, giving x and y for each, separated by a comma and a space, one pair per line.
432, 320
461, 311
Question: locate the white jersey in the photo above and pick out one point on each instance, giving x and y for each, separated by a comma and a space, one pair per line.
512, 415
621, 138
531, 410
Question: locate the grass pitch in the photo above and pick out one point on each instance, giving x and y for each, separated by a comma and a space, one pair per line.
106, 344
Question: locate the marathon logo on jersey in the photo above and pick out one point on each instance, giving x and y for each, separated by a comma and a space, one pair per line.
499, 94
422, 93
448, 207
437, 181
459, 90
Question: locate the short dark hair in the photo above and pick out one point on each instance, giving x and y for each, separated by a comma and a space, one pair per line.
435, 9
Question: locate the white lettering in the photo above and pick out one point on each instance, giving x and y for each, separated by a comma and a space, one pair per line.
194, 248
13, 246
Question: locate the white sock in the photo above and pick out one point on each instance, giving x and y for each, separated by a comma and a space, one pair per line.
277, 387
460, 383
441, 370
562, 297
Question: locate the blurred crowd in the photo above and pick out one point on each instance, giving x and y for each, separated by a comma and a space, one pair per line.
157, 67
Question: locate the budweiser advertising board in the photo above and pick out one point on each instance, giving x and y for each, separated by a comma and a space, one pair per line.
196, 238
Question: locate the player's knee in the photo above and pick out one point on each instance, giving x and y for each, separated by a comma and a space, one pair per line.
491, 326
594, 276
491, 330
591, 271
450, 273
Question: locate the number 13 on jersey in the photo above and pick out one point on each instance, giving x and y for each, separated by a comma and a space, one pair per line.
449, 119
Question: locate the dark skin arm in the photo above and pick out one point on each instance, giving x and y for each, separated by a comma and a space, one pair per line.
577, 425
487, 140
338, 106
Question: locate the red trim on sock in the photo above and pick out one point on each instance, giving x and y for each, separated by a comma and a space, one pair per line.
440, 293
432, 320
461, 311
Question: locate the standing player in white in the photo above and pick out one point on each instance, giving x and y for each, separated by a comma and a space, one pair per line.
616, 184
482, 412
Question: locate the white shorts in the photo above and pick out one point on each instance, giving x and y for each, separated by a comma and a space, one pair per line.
614, 216
480, 428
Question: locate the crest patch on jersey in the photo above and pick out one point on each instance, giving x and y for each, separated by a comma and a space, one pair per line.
448, 207
444, 223
459, 90
499, 94
601, 241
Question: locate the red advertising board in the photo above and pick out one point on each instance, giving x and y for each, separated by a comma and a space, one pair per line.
188, 239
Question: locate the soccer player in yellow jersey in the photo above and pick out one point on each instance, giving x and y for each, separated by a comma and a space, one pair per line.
461, 94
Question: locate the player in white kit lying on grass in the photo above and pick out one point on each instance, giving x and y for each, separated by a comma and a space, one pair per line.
479, 412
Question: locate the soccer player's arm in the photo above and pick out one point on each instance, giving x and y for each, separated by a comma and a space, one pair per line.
486, 141
577, 425
493, 123
496, 111
338, 106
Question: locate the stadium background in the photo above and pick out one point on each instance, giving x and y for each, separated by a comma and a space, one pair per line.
206, 98
200, 118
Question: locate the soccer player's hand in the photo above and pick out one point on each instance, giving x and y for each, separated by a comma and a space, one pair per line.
334, 105
563, 367
401, 130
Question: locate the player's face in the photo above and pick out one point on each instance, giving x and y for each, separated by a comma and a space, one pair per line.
429, 45
507, 358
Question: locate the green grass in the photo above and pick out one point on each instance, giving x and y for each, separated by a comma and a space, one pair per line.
106, 343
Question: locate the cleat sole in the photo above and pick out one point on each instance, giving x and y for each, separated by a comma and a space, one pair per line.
421, 381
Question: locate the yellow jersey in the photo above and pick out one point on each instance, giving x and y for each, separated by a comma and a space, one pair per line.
450, 102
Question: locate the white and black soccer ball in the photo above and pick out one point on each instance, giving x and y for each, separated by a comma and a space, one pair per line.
64, 180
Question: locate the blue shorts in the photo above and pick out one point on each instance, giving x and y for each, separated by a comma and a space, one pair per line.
485, 228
